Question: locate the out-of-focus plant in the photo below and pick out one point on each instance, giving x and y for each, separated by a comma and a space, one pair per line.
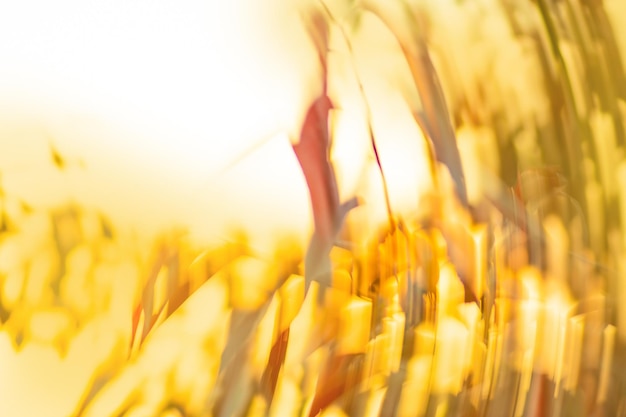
498, 296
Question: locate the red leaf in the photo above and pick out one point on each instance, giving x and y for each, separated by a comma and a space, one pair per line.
276, 360
340, 377
312, 152
313, 155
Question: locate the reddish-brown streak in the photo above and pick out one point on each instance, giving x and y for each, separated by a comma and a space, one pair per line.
313, 155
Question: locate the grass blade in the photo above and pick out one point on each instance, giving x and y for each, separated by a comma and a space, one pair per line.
436, 118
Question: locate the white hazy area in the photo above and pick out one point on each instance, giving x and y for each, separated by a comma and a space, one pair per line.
156, 98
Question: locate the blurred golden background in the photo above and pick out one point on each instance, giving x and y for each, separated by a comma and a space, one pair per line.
151, 193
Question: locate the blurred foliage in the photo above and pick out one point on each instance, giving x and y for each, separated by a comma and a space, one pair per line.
501, 296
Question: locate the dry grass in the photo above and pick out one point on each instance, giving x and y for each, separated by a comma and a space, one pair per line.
490, 300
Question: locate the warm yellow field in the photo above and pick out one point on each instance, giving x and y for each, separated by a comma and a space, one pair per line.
338, 208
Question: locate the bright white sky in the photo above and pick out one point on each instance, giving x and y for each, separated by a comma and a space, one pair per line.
156, 96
